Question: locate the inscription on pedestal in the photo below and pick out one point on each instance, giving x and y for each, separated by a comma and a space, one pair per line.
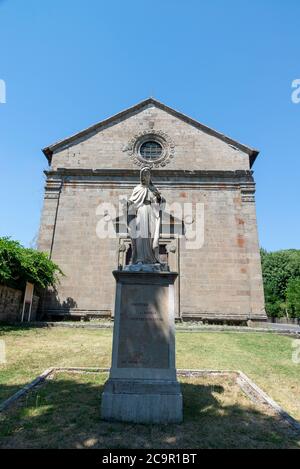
144, 327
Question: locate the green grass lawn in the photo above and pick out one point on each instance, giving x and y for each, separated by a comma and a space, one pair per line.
266, 358
65, 413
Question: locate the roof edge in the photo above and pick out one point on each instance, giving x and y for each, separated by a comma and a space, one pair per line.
48, 151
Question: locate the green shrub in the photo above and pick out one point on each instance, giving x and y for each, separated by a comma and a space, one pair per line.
19, 265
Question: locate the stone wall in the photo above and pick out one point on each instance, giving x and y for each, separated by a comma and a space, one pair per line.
11, 302
221, 278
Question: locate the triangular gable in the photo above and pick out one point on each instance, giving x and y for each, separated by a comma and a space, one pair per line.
48, 151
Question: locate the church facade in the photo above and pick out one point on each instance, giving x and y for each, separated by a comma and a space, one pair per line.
209, 235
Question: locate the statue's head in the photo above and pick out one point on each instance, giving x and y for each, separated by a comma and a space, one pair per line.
145, 176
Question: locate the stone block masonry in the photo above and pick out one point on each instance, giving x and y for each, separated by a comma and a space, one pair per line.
11, 302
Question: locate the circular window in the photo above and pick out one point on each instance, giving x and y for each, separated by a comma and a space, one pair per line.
151, 150
153, 147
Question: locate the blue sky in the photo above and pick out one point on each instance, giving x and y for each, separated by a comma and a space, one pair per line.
229, 64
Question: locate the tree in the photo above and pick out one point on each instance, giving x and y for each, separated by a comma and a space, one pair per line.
19, 265
293, 297
278, 269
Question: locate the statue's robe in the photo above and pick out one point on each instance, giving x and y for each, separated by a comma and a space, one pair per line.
144, 209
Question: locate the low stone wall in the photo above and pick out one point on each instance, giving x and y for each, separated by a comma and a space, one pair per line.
11, 302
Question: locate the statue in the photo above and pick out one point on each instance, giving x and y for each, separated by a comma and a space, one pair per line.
144, 209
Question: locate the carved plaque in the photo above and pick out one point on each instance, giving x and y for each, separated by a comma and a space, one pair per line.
144, 327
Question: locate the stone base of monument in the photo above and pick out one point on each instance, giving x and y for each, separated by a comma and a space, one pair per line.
142, 402
142, 386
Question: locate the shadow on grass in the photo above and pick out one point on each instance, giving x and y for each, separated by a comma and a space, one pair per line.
19, 327
65, 413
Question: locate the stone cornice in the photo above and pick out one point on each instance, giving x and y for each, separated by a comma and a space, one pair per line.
163, 177
160, 174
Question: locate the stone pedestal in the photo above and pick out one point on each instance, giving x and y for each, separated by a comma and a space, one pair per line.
142, 386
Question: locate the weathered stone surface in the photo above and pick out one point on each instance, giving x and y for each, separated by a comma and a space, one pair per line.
142, 386
142, 403
11, 302
144, 327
